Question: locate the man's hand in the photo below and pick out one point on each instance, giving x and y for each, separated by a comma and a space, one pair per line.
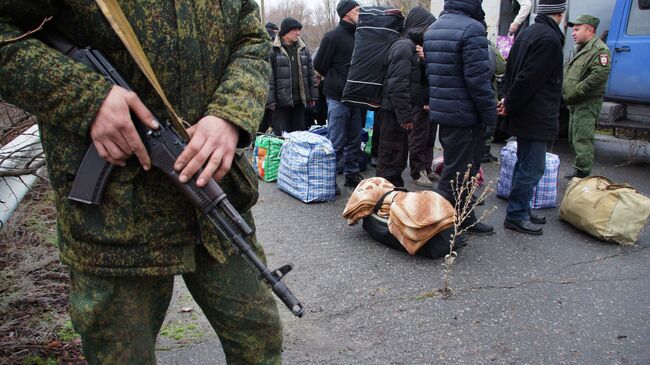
408, 125
420, 51
271, 107
513, 28
211, 147
113, 132
501, 108
312, 103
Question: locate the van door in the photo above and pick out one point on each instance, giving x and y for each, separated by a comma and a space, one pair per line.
630, 75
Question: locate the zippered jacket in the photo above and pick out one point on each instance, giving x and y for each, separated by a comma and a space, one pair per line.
281, 82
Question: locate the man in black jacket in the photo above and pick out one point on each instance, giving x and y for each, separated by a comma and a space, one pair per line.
333, 62
404, 96
533, 85
293, 83
461, 99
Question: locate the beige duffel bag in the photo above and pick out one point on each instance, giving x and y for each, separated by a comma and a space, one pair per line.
606, 210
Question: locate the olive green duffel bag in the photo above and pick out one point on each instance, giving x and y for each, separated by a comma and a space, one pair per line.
606, 210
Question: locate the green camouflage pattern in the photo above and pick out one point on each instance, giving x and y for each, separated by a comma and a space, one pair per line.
582, 126
210, 58
240, 309
585, 76
585, 82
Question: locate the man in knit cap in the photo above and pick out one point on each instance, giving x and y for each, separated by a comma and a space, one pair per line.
292, 85
533, 85
333, 63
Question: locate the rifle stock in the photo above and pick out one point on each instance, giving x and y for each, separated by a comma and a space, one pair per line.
164, 145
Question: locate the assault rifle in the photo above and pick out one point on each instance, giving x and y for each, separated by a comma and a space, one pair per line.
164, 145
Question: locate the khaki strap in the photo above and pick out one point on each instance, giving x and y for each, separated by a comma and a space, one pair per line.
122, 28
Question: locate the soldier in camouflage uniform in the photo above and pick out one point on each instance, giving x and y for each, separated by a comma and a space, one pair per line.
211, 59
585, 80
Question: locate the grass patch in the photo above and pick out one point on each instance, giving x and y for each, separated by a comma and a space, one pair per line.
180, 331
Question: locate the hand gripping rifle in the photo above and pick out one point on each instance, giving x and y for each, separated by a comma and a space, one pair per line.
164, 145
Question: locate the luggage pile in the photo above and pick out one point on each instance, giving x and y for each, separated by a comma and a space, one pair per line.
266, 157
307, 167
545, 193
417, 222
606, 210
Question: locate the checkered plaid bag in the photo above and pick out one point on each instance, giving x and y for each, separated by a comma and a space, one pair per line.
545, 193
307, 167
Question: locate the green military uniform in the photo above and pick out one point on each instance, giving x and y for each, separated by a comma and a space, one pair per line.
211, 59
585, 80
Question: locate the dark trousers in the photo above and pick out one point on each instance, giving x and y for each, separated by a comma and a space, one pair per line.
266, 121
461, 146
344, 130
376, 133
421, 142
393, 149
531, 161
288, 119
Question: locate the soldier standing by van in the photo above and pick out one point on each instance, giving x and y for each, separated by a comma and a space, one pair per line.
585, 80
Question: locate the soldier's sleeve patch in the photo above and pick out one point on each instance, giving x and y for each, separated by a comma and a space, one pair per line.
603, 58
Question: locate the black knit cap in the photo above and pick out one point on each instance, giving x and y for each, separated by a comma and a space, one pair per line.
287, 25
271, 26
547, 7
345, 6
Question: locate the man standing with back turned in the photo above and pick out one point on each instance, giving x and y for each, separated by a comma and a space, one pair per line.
585, 80
211, 59
344, 122
461, 99
533, 85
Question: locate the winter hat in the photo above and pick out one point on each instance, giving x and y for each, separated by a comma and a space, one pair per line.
345, 6
271, 26
287, 25
547, 7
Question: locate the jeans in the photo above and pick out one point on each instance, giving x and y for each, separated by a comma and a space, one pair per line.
344, 130
531, 162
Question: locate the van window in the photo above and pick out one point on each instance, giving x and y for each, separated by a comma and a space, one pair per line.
639, 21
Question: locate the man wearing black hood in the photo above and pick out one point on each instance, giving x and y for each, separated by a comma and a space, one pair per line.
272, 29
461, 99
404, 96
344, 122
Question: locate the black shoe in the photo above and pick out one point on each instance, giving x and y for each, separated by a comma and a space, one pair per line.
536, 218
481, 229
353, 180
524, 227
576, 173
461, 241
337, 191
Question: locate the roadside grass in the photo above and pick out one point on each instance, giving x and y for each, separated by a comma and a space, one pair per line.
34, 325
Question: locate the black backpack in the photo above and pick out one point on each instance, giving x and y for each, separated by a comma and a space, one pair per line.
377, 29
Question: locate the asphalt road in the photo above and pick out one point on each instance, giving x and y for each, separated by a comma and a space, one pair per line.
561, 298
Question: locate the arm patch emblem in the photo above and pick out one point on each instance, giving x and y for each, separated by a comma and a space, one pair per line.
604, 59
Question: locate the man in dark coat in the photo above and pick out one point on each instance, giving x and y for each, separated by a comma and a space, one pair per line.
533, 85
292, 85
333, 63
461, 99
404, 96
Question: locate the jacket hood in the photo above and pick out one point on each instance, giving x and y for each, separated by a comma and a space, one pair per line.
471, 8
417, 21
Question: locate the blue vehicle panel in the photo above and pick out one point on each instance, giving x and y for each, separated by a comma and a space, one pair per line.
629, 44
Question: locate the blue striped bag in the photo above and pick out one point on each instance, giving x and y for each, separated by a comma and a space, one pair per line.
307, 167
545, 193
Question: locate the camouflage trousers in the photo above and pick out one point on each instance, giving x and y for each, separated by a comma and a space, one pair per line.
582, 126
119, 318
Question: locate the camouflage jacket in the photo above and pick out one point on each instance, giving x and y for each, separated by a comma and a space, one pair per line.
585, 76
210, 58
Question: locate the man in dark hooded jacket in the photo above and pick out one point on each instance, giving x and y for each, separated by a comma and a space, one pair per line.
404, 97
461, 99
532, 104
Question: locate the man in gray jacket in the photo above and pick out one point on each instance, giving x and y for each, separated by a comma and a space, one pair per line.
293, 83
